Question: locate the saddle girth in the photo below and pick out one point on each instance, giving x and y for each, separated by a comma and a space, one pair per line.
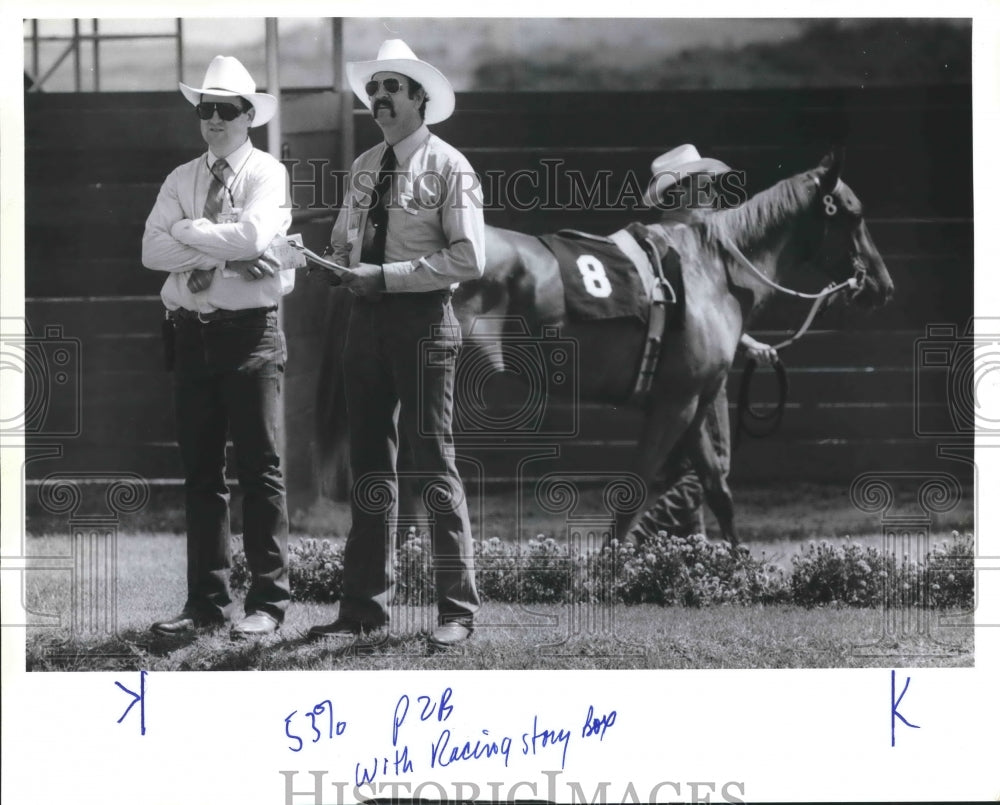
667, 297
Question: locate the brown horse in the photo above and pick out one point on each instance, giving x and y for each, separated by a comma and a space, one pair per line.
730, 261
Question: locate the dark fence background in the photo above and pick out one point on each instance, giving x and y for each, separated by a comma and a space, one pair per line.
94, 162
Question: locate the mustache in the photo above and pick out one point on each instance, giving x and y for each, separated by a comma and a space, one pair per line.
384, 103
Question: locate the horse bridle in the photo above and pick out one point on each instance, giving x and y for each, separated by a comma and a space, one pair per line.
855, 283
830, 209
744, 408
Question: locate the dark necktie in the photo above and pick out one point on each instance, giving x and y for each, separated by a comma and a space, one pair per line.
216, 191
373, 247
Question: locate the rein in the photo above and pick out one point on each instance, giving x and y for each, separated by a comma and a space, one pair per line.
854, 283
745, 412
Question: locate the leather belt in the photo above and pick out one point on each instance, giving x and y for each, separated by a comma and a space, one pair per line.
183, 314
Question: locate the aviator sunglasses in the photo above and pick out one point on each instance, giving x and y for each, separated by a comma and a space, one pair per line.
392, 86
227, 111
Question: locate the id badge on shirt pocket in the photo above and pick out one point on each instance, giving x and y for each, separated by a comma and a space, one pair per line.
353, 226
231, 216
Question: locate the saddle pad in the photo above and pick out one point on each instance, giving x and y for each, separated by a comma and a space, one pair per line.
600, 282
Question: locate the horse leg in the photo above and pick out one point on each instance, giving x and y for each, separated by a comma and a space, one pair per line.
662, 427
698, 474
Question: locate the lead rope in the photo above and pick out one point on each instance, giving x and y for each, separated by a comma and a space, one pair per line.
851, 282
771, 421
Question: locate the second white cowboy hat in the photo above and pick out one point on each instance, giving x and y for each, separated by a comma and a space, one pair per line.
227, 76
676, 164
395, 56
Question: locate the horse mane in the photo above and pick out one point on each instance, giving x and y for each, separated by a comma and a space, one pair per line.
765, 216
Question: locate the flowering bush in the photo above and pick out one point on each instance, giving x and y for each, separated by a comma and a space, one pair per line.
412, 570
691, 571
545, 576
952, 574
666, 570
497, 571
841, 574
315, 570
867, 577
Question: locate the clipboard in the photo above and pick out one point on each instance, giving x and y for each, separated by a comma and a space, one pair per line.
296, 246
287, 250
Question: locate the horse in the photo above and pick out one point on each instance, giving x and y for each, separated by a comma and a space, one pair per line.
731, 261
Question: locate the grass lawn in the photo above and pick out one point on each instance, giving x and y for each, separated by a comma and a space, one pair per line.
151, 585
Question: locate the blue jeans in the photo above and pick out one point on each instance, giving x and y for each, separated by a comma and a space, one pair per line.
228, 378
399, 372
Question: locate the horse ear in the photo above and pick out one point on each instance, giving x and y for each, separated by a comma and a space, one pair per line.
831, 167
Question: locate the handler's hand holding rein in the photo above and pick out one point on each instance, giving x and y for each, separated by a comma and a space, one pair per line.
759, 352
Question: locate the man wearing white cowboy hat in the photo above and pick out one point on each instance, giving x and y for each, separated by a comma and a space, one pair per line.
411, 227
210, 231
684, 182
686, 188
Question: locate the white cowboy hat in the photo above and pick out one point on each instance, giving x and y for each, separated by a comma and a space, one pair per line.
395, 56
676, 164
226, 76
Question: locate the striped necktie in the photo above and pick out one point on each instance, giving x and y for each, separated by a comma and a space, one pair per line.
216, 191
201, 277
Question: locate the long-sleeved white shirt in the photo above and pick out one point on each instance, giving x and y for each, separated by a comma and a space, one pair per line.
178, 239
436, 234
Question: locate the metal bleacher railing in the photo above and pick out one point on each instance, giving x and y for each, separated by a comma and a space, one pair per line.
34, 77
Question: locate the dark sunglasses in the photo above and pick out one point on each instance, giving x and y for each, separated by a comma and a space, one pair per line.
392, 86
227, 111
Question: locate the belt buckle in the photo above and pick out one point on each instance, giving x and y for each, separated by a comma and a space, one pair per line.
203, 321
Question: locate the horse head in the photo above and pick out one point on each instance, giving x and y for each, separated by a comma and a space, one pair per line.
840, 245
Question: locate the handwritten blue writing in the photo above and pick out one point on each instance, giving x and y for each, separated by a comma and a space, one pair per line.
333, 727
598, 725
544, 738
428, 717
137, 698
430, 707
895, 704
401, 764
444, 755
288, 732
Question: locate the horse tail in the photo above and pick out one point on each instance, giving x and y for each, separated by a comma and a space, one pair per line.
332, 456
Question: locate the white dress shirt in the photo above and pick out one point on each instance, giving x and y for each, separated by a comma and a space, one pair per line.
178, 239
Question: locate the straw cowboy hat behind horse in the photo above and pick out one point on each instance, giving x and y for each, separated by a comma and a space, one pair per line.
227, 76
395, 56
677, 164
